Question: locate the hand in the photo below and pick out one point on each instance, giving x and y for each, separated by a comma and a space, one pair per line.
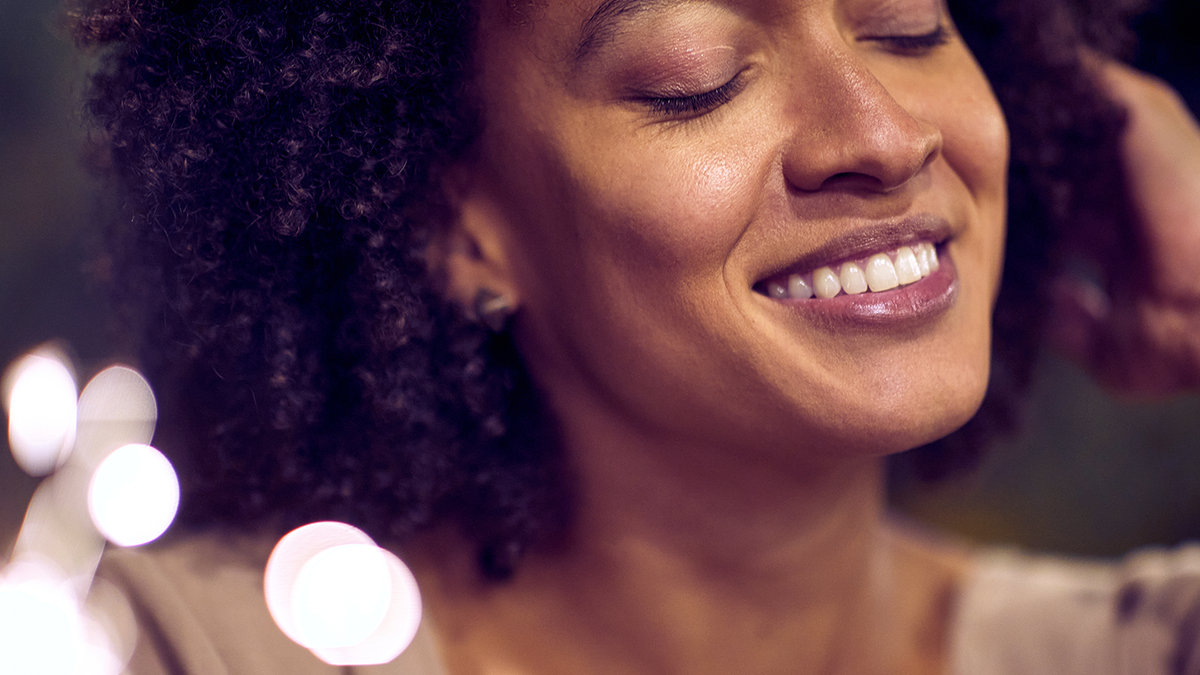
1142, 337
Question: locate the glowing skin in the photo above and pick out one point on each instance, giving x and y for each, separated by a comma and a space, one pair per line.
631, 210
651, 175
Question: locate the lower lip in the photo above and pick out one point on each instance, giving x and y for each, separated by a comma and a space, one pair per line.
907, 306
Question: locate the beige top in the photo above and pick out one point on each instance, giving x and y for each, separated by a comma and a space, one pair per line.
1038, 615
200, 608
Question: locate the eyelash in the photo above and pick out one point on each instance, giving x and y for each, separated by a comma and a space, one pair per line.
695, 104
698, 104
914, 44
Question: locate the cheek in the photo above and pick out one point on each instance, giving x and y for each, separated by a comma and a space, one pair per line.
621, 240
976, 147
671, 214
974, 132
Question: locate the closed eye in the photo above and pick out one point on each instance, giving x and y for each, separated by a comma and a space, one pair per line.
693, 105
914, 45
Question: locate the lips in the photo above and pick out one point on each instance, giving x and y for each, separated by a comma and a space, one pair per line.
887, 273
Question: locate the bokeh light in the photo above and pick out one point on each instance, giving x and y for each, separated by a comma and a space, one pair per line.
41, 399
395, 632
332, 590
41, 629
289, 556
119, 393
44, 630
133, 495
115, 408
341, 596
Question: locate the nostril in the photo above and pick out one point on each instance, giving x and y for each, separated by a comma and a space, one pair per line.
851, 180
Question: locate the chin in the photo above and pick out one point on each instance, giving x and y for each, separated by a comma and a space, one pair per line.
907, 417
941, 416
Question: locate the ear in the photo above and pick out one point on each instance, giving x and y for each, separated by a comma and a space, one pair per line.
474, 251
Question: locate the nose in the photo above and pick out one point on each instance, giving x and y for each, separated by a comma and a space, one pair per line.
852, 133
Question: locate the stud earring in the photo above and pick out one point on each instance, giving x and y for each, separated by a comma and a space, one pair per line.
492, 309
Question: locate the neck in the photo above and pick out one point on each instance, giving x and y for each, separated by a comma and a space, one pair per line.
694, 560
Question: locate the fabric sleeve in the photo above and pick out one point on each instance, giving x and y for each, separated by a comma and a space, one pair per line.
1021, 614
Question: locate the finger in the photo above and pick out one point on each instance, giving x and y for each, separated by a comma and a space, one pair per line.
1135, 350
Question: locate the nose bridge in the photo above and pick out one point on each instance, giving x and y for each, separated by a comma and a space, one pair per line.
851, 128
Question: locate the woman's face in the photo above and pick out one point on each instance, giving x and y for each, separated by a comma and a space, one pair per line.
660, 178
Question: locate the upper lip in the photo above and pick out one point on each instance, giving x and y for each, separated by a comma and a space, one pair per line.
869, 239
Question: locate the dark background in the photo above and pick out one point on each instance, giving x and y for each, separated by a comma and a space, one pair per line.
1088, 475
45, 203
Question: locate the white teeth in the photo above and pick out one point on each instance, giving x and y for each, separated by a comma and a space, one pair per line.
826, 283
799, 288
881, 273
853, 281
907, 268
923, 251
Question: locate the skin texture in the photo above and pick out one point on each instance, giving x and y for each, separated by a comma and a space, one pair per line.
729, 515
278, 194
726, 446
631, 240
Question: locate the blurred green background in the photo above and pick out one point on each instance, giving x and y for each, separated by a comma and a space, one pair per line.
1088, 475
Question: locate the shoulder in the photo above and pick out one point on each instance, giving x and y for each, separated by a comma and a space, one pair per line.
199, 607
200, 610
1031, 615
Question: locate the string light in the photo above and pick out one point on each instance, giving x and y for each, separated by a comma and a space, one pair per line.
341, 596
44, 629
40, 397
331, 589
328, 586
40, 625
133, 495
104, 480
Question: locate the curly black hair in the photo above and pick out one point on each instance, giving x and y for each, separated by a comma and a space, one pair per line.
278, 166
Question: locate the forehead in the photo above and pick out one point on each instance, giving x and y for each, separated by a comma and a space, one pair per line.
603, 24
573, 29
567, 31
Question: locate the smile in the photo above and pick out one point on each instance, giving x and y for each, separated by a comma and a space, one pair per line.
880, 272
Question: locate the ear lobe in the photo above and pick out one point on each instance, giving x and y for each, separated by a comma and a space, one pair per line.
473, 252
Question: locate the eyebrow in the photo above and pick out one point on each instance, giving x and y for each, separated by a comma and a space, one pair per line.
606, 21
